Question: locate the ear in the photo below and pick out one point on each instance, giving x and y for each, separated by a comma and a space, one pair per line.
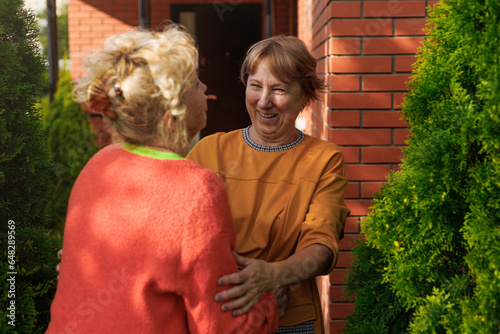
304, 103
170, 121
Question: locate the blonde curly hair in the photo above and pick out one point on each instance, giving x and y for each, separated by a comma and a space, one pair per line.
138, 77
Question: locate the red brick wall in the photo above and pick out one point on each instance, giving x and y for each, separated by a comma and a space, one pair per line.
365, 50
92, 21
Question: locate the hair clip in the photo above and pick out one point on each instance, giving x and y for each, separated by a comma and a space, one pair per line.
118, 89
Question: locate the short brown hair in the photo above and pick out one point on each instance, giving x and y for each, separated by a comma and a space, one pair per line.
290, 61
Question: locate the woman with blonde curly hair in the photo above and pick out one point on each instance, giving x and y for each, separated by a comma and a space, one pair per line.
148, 233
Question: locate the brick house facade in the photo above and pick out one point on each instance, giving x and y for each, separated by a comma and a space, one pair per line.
365, 51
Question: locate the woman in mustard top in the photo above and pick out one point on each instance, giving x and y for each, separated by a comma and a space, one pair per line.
285, 188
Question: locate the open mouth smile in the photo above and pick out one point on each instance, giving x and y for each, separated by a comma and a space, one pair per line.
268, 116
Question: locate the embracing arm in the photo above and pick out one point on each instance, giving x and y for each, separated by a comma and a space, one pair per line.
260, 276
317, 247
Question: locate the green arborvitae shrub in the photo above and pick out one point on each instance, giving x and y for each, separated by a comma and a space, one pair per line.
71, 144
378, 310
25, 168
26, 178
35, 281
436, 225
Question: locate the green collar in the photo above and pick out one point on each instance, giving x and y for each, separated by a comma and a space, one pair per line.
149, 152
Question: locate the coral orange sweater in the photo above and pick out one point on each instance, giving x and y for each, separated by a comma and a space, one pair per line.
146, 239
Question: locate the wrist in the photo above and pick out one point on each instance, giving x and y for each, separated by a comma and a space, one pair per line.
278, 279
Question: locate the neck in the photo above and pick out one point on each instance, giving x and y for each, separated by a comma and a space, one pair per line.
263, 140
166, 148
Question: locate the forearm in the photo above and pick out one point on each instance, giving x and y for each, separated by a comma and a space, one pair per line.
259, 276
304, 265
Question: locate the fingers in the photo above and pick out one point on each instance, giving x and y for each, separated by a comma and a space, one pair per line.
234, 278
241, 305
245, 307
243, 296
234, 292
241, 260
237, 304
59, 255
250, 283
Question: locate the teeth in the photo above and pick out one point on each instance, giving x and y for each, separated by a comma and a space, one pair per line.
268, 116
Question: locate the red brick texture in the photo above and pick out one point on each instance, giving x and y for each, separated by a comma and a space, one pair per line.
92, 21
365, 51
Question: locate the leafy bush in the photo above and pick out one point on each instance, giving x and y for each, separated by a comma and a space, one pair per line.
436, 225
26, 177
378, 310
34, 284
71, 144
25, 169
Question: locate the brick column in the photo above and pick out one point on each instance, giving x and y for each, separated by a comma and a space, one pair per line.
365, 52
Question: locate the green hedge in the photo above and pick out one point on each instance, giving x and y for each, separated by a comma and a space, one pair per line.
34, 284
436, 224
71, 144
26, 177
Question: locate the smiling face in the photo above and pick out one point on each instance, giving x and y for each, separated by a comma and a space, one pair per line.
273, 106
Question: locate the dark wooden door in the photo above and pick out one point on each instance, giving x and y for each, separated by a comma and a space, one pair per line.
224, 32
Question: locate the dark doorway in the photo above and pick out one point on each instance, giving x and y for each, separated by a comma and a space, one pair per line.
223, 32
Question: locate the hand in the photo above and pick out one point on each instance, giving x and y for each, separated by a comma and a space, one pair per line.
256, 278
59, 255
282, 295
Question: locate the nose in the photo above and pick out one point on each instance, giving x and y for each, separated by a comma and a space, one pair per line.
265, 100
203, 87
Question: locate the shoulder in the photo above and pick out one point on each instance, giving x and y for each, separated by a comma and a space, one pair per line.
321, 157
210, 147
108, 151
105, 156
218, 138
202, 178
198, 173
322, 148
207, 193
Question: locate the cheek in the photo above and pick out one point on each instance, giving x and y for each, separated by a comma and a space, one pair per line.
283, 103
290, 107
251, 97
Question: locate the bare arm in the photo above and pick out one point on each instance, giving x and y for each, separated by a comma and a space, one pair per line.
260, 276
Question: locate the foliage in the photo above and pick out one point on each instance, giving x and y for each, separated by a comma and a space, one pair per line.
35, 281
71, 144
25, 171
26, 176
378, 310
436, 225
